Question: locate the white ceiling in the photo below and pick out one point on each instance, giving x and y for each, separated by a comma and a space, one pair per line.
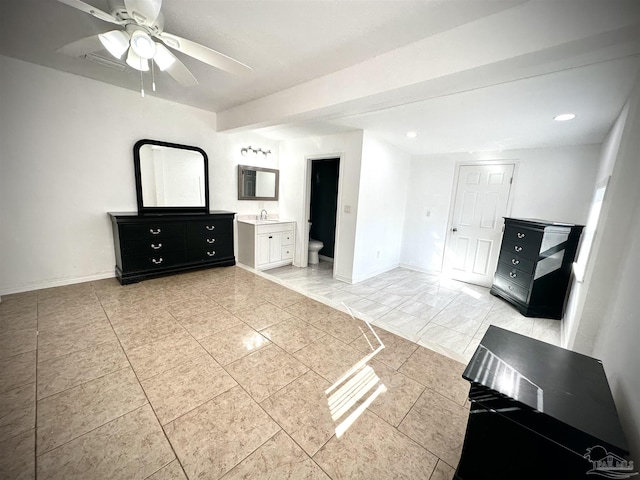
298, 46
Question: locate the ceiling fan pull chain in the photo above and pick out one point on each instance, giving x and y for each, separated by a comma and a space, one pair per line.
141, 81
153, 78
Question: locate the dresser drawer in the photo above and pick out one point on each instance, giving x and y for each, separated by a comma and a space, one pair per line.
209, 241
516, 261
151, 230
153, 262
206, 228
152, 246
523, 235
523, 250
207, 253
516, 276
512, 289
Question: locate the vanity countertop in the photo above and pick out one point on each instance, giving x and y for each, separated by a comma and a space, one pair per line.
256, 221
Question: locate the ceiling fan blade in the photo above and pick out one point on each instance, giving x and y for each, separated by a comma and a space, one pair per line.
82, 47
144, 12
85, 7
205, 54
181, 74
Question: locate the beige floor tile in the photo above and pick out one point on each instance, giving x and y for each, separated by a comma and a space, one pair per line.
396, 349
173, 471
163, 354
122, 308
18, 321
329, 357
263, 316
205, 324
371, 448
301, 408
12, 306
443, 472
284, 297
74, 290
78, 367
73, 301
56, 343
17, 411
130, 447
17, 342
146, 329
215, 437
72, 318
232, 344
400, 395
278, 458
17, 458
437, 372
17, 371
438, 424
185, 387
292, 334
236, 302
343, 327
192, 306
266, 371
310, 310
76, 411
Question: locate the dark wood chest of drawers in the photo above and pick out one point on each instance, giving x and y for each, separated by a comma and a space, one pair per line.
534, 266
152, 245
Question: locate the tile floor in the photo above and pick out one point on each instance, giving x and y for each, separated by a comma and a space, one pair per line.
444, 315
222, 373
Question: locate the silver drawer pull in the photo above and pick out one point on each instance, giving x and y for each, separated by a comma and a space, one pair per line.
211, 254
157, 261
154, 232
513, 274
211, 240
210, 227
521, 235
515, 261
509, 287
517, 248
156, 247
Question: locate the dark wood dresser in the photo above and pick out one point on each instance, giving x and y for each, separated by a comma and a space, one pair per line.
152, 245
534, 267
539, 412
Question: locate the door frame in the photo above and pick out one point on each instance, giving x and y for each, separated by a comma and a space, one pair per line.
306, 208
454, 193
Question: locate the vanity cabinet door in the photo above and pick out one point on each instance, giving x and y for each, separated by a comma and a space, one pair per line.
263, 249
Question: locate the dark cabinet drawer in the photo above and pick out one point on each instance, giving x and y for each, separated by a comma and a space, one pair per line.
210, 241
152, 246
516, 276
516, 261
523, 250
151, 230
209, 227
153, 262
206, 253
523, 235
510, 288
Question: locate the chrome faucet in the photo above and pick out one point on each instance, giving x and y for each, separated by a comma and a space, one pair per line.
263, 214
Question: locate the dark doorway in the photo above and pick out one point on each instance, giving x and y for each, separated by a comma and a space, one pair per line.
324, 203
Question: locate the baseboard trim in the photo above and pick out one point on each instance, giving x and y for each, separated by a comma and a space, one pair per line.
419, 269
56, 283
367, 276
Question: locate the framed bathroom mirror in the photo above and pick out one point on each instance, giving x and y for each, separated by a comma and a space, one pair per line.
170, 177
257, 183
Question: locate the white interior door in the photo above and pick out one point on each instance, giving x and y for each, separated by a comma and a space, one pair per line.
473, 241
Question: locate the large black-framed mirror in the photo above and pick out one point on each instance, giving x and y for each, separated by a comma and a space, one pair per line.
258, 183
170, 177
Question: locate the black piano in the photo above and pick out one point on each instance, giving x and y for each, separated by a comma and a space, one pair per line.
539, 412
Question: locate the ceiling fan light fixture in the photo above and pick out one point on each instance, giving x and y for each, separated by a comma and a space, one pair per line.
136, 61
163, 57
116, 42
142, 44
563, 117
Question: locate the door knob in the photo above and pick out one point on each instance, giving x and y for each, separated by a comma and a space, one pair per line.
454, 229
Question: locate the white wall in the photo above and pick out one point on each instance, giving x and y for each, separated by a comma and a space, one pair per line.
384, 177
294, 157
66, 159
550, 183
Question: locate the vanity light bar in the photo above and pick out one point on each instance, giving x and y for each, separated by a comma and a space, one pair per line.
244, 151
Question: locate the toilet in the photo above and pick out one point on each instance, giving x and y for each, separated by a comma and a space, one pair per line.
314, 247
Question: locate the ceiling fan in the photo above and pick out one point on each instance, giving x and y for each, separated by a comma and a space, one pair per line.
142, 21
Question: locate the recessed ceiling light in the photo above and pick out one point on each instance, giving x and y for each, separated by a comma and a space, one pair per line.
411, 134
564, 117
